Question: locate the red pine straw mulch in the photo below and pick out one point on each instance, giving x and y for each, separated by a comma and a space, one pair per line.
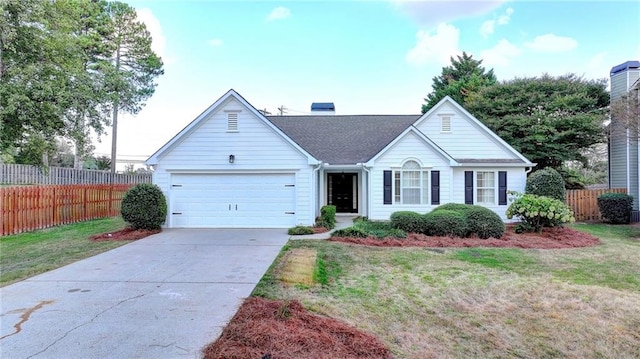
127, 234
317, 230
550, 238
285, 330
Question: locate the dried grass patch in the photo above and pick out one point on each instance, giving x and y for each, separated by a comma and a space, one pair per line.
298, 265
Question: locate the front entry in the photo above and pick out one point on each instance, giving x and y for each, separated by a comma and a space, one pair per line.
342, 191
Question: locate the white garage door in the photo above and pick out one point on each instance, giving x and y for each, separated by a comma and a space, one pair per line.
232, 200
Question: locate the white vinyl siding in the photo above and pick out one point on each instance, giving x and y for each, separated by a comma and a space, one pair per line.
516, 180
466, 140
409, 147
257, 148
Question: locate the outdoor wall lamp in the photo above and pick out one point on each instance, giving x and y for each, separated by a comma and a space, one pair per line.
232, 158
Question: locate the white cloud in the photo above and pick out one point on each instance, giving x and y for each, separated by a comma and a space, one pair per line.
215, 42
488, 26
158, 44
279, 13
431, 12
435, 48
500, 55
552, 43
506, 17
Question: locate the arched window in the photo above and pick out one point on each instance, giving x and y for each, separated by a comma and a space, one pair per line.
411, 182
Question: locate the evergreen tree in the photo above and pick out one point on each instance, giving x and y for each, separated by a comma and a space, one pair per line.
461, 79
548, 119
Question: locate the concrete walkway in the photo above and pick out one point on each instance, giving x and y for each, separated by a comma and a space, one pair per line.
164, 296
341, 222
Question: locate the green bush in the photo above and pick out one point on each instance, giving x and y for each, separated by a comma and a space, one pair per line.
458, 207
144, 206
539, 211
408, 221
484, 222
615, 207
546, 182
481, 221
327, 217
298, 230
353, 231
446, 223
380, 229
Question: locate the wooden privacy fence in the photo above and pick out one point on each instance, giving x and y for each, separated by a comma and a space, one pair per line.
15, 174
584, 202
28, 208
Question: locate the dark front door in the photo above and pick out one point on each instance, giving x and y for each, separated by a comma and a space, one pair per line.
342, 191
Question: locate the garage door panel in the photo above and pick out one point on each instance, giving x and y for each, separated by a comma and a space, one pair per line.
238, 200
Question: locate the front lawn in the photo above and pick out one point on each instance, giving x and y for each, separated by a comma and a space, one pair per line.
27, 254
482, 302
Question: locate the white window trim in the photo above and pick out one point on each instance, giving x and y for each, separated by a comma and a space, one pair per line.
476, 187
424, 171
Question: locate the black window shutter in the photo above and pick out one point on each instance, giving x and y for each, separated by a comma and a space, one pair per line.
387, 187
502, 187
468, 187
435, 187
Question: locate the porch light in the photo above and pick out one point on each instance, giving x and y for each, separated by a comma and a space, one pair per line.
232, 158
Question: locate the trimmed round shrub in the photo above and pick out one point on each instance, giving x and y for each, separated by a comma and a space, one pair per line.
299, 230
615, 208
481, 221
458, 207
484, 222
410, 222
446, 223
144, 206
546, 182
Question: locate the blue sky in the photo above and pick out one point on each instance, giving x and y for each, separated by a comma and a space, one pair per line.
368, 57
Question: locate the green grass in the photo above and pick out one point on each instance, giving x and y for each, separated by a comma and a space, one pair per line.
484, 302
27, 254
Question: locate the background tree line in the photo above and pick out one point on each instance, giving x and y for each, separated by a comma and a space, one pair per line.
67, 68
557, 122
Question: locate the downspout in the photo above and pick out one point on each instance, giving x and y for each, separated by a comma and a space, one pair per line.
368, 171
316, 169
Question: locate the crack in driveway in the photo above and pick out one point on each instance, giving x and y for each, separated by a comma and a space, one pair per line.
83, 324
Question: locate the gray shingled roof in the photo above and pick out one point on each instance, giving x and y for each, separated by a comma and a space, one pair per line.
342, 140
488, 160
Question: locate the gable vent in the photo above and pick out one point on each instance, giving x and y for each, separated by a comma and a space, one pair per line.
446, 123
232, 122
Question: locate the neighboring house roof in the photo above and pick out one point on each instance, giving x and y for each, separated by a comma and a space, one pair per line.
340, 139
624, 67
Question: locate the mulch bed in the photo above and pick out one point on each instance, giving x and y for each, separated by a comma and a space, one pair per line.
266, 329
550, 238
127, 234
317, 230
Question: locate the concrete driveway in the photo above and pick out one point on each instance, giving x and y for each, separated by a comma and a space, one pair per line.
164, 296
